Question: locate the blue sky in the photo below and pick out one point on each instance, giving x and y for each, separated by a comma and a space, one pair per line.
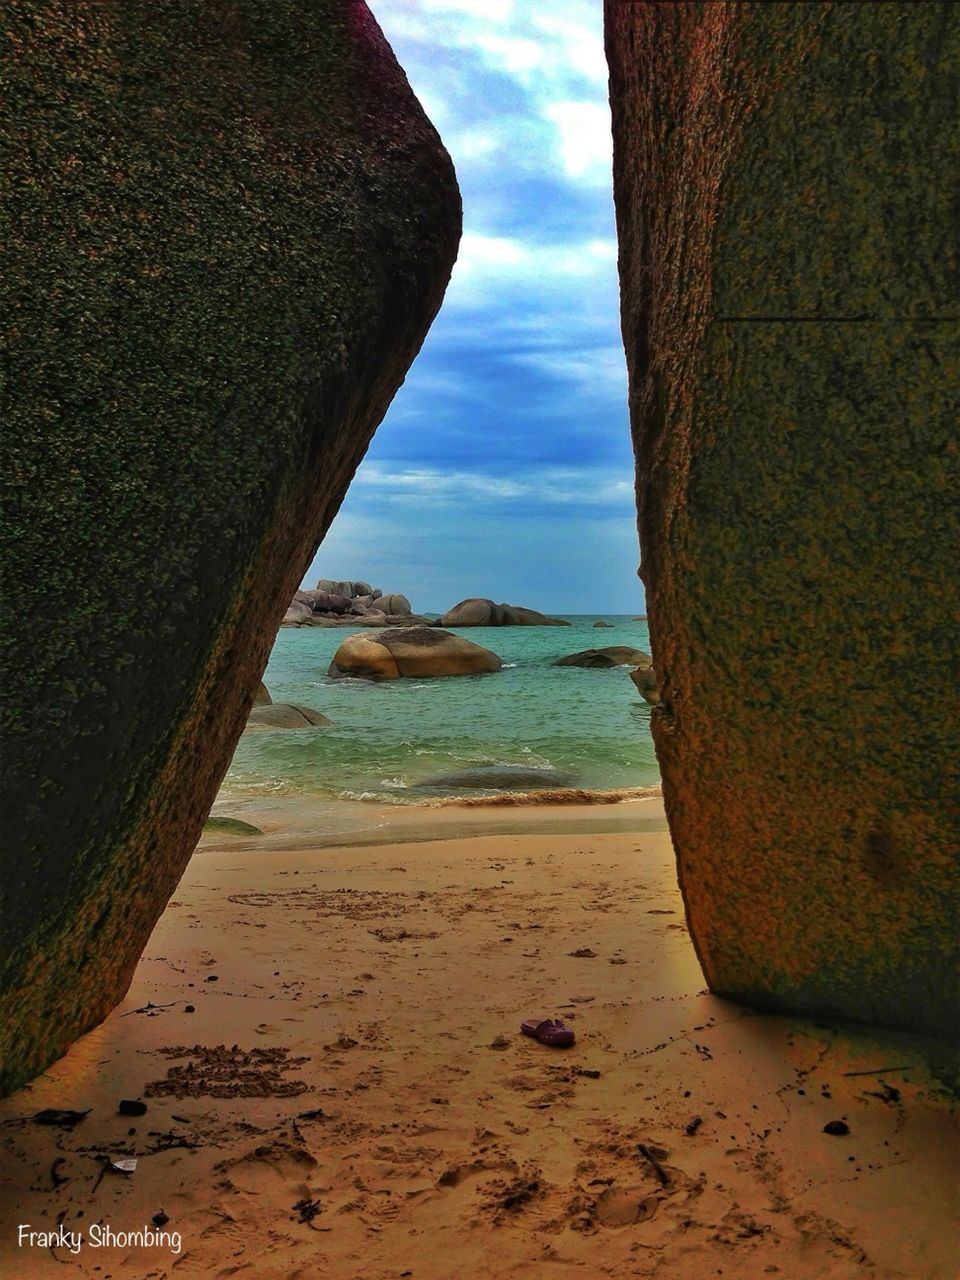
503, 467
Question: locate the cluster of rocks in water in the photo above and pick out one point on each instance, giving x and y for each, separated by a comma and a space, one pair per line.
415, 646
348, 604
424, 652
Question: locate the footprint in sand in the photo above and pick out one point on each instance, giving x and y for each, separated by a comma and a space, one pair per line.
457, 1174
623, 1206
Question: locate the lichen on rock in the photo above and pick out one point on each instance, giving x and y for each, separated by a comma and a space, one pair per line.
784, 179
227, 230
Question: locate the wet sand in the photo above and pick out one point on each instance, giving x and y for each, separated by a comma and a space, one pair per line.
351, 1098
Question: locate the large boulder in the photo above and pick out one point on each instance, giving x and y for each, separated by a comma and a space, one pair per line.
348, 588
393, 602
262, 696
480, 612
616, 655
297, 612
790, 171
284, 715
243, 223
412, 651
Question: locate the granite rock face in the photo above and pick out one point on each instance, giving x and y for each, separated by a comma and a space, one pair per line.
227, 231
785, 184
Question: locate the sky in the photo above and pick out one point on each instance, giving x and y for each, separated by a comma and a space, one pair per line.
503, 467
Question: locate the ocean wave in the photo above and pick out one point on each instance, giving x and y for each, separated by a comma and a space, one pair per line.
560, 795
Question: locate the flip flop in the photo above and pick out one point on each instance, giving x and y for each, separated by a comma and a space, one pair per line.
549, 1031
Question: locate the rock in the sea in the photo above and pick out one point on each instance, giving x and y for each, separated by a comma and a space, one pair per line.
479, 612
412, 651
616, 655
230, 827
645, 678
297, 613
284, 715
341, 603
349, 588
790, 169
497, 777
608, 625
262, 697
393, 602
228, 230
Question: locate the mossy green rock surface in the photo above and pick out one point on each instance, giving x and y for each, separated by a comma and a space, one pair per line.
785, 180
227, 229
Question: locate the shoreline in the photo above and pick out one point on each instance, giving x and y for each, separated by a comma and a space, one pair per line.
290, 822
352, 1097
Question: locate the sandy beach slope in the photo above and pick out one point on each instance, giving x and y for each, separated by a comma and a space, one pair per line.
351, 1098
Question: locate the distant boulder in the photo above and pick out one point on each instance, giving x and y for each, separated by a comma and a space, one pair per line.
393, 602
297, 612
263, 698
608, 625
478, 611
614, 656
348, 588
411, 652
284, 715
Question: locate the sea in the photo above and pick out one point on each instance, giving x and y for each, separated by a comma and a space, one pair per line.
388, 739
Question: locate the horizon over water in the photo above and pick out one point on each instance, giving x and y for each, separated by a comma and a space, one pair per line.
389, 737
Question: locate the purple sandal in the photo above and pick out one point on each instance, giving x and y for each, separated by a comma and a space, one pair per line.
549, 1031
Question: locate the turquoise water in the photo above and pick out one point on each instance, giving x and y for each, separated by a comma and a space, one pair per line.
388, 737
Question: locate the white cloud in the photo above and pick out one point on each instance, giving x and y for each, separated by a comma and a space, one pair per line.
472, 144
483, 10
555, 486
580, 38
479, 252
552, 51
585, 140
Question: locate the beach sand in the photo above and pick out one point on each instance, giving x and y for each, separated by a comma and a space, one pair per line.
352, 1099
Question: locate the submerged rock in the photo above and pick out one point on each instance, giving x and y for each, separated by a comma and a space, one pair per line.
284, 715
230, 827
790, 169
245, 229
479, 612
411, 652
497, 777
617, 655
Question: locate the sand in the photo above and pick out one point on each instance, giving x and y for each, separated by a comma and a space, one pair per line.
352, 1099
